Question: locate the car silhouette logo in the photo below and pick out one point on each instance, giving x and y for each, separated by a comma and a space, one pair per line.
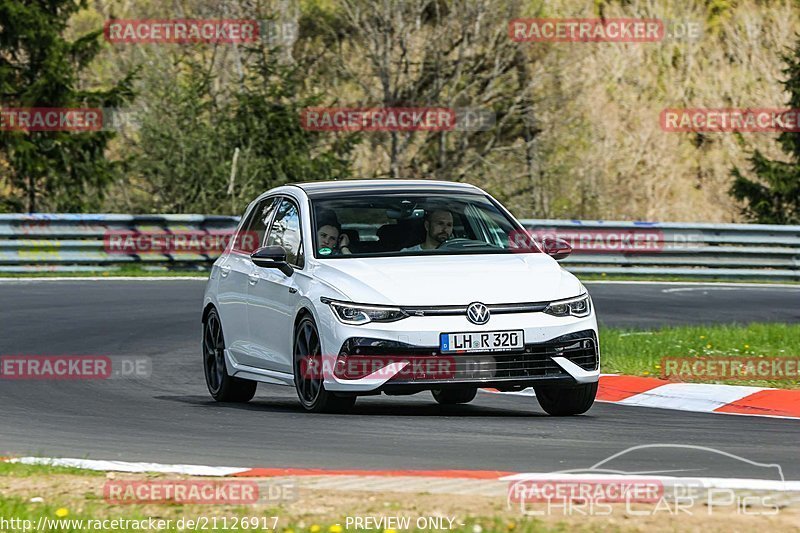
477, 313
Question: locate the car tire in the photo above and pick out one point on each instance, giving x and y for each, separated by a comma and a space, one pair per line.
454, 396
311, 390
566, 401
223, 387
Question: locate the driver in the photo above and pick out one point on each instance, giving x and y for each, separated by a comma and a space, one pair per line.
438, 229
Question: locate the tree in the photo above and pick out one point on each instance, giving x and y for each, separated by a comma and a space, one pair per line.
774, 198
420, 53
209, 143
39, 67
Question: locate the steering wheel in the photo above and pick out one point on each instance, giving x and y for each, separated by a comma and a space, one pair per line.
454, 243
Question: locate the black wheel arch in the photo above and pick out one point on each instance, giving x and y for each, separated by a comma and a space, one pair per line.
206, 310
301, 314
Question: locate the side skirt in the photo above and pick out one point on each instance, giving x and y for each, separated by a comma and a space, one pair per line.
257, 374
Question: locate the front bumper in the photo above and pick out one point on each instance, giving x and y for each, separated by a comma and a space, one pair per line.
558, 351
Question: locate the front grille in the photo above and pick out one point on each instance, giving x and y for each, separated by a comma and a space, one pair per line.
535, 362
505, 366
495, 309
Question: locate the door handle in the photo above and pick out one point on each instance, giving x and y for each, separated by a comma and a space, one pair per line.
292, 290
253, 278
224, 271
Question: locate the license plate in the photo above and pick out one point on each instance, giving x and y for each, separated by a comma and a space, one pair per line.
482, 341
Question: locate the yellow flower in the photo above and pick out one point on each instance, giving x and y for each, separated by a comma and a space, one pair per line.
510, 525
658, 366
62, 512
389, 531
746, 346
335, 528
314, 528
708, 346
702, 336
646, 373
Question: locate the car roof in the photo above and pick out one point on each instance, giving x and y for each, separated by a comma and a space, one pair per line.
322, 188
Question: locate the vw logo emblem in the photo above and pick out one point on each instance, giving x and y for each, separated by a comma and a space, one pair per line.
477, 313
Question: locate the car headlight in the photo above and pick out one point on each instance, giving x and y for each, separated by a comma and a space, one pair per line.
357, 314
578, 307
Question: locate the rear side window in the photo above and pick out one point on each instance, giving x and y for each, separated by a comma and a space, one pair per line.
285, 232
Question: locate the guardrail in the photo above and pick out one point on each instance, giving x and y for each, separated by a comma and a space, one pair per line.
742, 251
70, 243
74, 243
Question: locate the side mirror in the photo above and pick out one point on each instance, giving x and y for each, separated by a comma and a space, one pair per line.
272, 257
556, 248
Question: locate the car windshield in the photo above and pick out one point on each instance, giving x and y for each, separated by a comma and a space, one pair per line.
398, 224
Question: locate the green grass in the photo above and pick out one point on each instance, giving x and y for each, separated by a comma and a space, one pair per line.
639, 352
21, 470
710, 279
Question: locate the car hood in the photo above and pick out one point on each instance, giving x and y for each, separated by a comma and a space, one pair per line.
449, 280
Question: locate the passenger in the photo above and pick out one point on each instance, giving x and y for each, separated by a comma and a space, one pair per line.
331, 240
438, 229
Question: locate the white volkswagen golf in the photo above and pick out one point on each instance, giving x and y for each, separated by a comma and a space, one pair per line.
352, 288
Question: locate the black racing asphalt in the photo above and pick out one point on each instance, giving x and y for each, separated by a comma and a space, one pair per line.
170, 418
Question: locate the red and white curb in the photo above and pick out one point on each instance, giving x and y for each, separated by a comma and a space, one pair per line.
222, 471
695, 397
475, 482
